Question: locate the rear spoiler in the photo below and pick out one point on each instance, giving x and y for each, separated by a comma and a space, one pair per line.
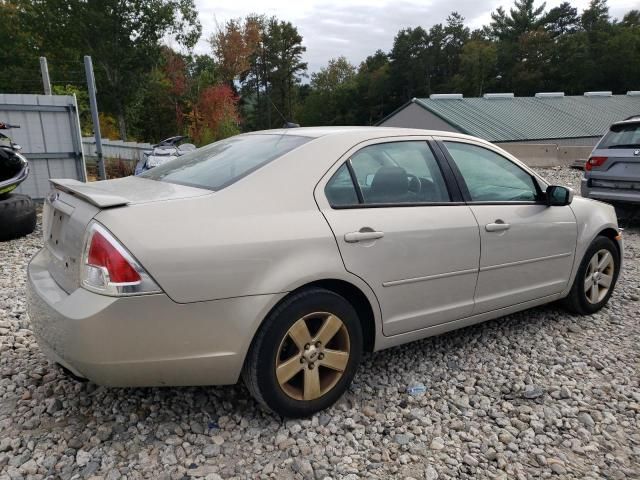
89, 192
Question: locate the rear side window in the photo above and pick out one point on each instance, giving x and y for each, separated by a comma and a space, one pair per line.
222, 163
387, 174
340, 190
622, 136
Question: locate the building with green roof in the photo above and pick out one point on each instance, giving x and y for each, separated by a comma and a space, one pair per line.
546, 118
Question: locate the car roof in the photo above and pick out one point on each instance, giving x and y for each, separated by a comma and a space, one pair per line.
628, 121
317, 132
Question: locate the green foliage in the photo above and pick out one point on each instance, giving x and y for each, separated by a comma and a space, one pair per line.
254, 78
122, 36
228, 127
264, 56
82, 98
332, 97
478, 61
152, 115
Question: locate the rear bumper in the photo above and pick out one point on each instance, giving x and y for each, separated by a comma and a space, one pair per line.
609, 194
146, 340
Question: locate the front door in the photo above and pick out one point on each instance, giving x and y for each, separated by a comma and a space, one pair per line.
399, 228
527, 246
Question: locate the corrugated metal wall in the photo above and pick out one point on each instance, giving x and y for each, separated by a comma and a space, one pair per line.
50, 137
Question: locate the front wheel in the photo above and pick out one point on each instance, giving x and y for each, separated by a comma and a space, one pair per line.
305, 354
596, 277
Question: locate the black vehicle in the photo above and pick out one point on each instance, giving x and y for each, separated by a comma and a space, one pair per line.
14, 168
17, 211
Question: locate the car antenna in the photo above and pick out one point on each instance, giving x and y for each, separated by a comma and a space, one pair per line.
287, 123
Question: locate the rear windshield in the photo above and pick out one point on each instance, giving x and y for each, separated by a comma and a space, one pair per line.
622, 136
222, 163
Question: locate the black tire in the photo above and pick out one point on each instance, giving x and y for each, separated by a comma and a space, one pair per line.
577, 301
259, 372
17, 216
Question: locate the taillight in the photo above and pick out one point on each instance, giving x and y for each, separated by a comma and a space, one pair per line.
595, 162
104, 255
108, 268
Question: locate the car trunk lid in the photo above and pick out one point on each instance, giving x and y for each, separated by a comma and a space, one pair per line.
71, 205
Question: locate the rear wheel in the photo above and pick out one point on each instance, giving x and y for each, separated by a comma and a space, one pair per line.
596, 277
305, 354
17, 216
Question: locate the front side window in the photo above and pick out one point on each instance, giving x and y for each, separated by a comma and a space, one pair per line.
491, 177
222, 163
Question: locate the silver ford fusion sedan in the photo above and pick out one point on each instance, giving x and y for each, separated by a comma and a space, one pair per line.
281, 256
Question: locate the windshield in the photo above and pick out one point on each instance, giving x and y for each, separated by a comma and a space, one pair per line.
622, 136
222, 163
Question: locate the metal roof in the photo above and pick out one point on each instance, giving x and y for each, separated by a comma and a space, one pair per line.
532, 118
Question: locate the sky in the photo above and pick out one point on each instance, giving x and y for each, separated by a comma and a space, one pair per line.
357, 28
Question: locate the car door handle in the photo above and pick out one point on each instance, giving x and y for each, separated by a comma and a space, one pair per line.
497, 226
362, 236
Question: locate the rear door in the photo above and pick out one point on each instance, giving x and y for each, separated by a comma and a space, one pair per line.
401, 229
527, 247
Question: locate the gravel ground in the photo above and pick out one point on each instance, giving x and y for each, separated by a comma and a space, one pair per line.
538, 394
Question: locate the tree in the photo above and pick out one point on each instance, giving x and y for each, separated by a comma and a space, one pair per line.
264, 56
122, 36
372, 84
513, 33
622, 63
530, 74
410, 69
597, 34
478, 62
332, 99
456, 36
82, 99
152, 113
234, 46
215, 115
282, 59
19, 62
336, 74
596, 16
631, 19
523, 18
561, 20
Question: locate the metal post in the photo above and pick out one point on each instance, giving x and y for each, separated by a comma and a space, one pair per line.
91, 83
44, 68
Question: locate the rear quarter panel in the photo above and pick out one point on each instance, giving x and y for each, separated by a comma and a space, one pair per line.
262, 235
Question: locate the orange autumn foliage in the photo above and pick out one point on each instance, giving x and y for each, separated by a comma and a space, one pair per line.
214, 115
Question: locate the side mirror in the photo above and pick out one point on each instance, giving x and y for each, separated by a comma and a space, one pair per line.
558, 196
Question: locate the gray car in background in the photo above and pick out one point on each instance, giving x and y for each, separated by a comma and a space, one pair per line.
612, 172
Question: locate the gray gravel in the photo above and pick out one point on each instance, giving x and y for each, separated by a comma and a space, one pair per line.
538, 394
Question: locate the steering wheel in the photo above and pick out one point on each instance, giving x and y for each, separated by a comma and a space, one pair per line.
414, 183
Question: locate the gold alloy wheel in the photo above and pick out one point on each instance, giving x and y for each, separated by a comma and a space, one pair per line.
312, 356
599, 275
